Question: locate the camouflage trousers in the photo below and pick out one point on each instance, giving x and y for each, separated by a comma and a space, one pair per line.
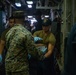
17, 73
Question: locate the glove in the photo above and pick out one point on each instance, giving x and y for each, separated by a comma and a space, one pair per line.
29, 56
0, 58
43, 49
37, 38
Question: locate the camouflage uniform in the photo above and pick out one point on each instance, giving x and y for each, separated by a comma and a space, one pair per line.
19, 43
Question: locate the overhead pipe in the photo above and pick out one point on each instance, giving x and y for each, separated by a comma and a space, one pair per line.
23, 1
11, 4
57, 1
46, 7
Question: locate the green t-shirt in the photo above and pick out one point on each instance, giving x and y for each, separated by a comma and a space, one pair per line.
49, 38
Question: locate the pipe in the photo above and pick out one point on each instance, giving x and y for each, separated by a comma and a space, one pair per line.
10, 4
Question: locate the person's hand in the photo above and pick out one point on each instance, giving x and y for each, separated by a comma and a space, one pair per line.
37, 38
0, 58
29, 56
42, 58
42, 49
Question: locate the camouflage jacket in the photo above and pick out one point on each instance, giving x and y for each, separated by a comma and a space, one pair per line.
19, 43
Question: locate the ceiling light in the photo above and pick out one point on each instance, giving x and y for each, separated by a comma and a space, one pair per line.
46, 16
32, 20
30, 16
29, 2
29, 6
18, 4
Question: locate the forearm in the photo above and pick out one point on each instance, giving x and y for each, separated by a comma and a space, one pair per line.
2, 44
1, 48
50, 50
48, 54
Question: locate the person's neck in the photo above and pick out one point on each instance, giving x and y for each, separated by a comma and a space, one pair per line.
46, 32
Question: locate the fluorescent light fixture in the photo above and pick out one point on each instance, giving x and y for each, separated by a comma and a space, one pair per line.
46, 16
29, 6
29, 2
33, 20
30, 16
18, 4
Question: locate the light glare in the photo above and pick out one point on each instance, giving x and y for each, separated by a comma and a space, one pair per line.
18, 4
30, 16
29, 2
46, 16
29, 6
